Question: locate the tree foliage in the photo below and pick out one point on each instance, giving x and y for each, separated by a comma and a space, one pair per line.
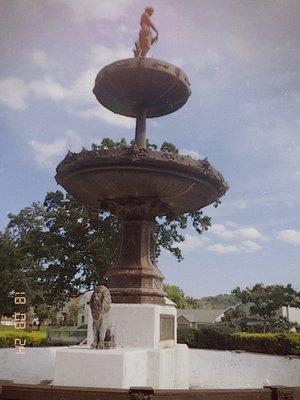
176, 294
266, 302
10, 274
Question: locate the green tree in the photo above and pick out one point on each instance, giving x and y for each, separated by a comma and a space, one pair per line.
176, 294
73, 312
266, 303
44, 312
166, 146
195, 303
235, 318
11, 274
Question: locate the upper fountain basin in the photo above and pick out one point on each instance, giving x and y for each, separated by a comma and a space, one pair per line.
128, 86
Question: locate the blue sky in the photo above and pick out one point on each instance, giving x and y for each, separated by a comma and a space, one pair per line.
242, 58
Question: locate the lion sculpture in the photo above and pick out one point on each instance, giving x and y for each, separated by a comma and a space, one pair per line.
102, 329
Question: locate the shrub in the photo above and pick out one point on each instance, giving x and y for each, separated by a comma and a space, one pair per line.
215, 338
33, 339
269, 343
187, 335
220, 338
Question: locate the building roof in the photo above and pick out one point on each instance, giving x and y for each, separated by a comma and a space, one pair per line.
200, 316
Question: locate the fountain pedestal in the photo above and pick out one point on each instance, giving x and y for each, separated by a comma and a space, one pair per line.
147, 352
136, 277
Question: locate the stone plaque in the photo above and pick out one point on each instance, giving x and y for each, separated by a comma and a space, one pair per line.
167, 327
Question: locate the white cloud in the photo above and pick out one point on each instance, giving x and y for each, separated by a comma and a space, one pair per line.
46, 152
192, 153
81, 90
249, 246
193, 242
248, 232
230, 224
290, 236
47, 88
95, 9
223, 249
13, 93
106, 116
42, 60
100, 55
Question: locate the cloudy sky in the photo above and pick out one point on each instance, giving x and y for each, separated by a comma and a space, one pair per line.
242, 58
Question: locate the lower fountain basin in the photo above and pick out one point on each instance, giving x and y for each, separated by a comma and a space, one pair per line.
109, 179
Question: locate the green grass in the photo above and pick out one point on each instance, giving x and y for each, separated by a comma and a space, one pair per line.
33, 339
6, 328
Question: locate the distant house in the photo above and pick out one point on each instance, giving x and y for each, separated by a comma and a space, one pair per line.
195, 318
292, 314
63, 317
84, 298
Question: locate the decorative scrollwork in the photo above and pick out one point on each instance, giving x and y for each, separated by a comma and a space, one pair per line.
158, 65
286, 394
141, 393
177, 72
140, 396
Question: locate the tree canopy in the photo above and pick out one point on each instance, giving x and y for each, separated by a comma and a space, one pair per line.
266, 302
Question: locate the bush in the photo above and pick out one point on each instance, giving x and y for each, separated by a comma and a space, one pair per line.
33, 339
215, 338
220, 338
187, 335
269, 343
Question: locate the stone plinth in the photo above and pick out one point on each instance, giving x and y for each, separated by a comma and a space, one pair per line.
141, 325
123, 367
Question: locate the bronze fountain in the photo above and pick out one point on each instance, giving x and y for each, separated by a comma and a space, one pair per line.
138, 184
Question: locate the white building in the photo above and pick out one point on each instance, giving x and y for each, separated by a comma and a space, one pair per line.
84, 298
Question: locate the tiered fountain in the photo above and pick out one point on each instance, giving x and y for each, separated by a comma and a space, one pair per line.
137, 185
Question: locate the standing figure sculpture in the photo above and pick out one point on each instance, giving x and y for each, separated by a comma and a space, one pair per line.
146, 40
100, 305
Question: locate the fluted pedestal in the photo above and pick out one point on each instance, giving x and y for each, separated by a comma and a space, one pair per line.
136, 277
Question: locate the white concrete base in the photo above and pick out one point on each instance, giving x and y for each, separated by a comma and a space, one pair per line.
123, 367
208, 369
138, 325
214, 369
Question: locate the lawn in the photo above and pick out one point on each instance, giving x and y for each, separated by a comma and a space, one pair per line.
9, 334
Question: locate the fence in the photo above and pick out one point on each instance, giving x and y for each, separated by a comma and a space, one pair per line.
10, 391
63, 337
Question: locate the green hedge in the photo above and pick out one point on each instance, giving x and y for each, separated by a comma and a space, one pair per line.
33, 339
269, 343
218, 338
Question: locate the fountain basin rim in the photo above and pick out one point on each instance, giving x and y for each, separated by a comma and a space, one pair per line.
156, 182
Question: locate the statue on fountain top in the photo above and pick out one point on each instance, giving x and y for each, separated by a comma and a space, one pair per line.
146, 40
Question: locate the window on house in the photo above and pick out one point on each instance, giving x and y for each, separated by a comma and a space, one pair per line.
82, 319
